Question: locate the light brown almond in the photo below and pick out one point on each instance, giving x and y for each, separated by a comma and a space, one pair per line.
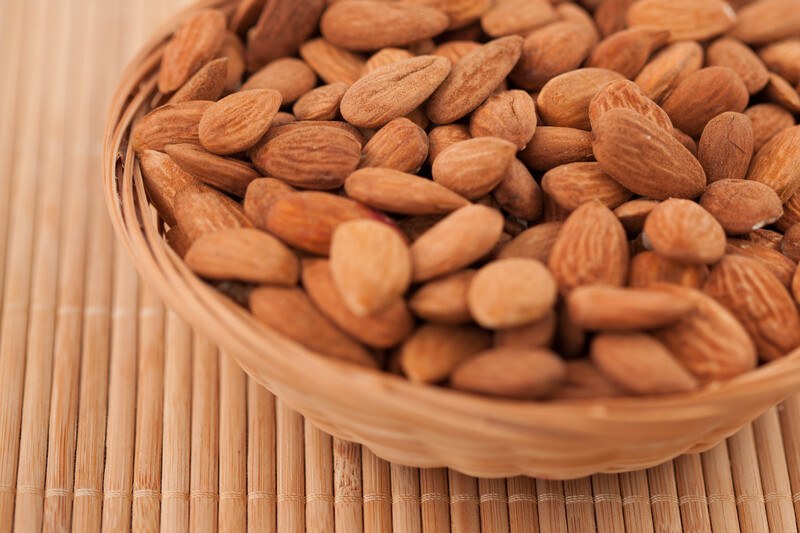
259, 195
741, 206
289, 76
455, 50
728, 52
627, 51
627, 95
332, 63
163, 177
200, 210
205, 84
780, 265
455, 242
508, 17
668, 68
518, 194
553, 146
442, 137
620, 309
245, 15
168, 124
564, 100
462, 13
321, 103
696, 20
474, 167
783, 58
195, 43
432, 353
767, 121
399, 145
238, 121
538, 334
224, 173
574, 184
764, 21
385, 56
783, 93
232, 52
509, 115
684, 231
282, 27
533, 243
649, 268
777, 164
766, 237
584, 381
444, 300
632, 214
726, 147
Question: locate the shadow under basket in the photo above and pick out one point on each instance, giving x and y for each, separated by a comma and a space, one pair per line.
406, 423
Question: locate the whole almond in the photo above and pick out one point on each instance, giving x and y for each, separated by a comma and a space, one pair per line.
444, 300
590, 249
455, 50
553, 146
306, 220
777, 164
318, 157
385, 56
509, 115
703, 95
639, 364
474, 167
361, 25
644, 158
696, 20
232, 52
442, 137
259, 195
291, 313
399, 145
764, 21
393, 91
289, 76
726, 147
783, 93
627, 51
321, 103
473, 79
511, 373
238, 121
224, 173
205, 84
684, 231
741, 206
455, 242
508, 17
767, 121
518, 194
619, 309
200, 210
759, 301
282, 27
245, 15
574, 184
777, 263
332, 63
790, 243
397, 192
370, 263
766, 237
783, 58
708, 341
632, 214
432, 353
243, 254
550, 51
533, 243
564, 100
193, 45
584, 381
163, 177
282, 127
650, 268
791, 213
511, 292
382, 329
169, 124
538, 334
668, 68
627, 95
461, 13
728, 52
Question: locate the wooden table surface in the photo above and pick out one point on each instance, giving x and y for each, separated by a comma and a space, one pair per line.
115, 415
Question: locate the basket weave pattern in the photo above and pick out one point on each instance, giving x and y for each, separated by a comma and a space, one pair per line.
400, 421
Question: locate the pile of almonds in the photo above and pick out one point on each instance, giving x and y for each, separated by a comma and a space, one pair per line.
527, 199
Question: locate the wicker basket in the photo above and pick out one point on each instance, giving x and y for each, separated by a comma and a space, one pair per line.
402, 422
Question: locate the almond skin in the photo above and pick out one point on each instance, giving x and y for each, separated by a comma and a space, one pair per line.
777, 164
551, 147
627, 95
332, 63
458, 240
741, 59
669, 68
533, 243
474, 167
289, 76
649, 268
282, 27
383, 329
370, 263
790, 243
564, 100
575, 184
291, 313
620, 309
783, 93
444, 300
321, 103
509, 17
393, 91
258, 197
511, 373
696, 20
627, 51
169, 124
226, 174
193, 45
432, 353
318, 157
583, 380
591, 248
684, 231
509, 115
741, 206
518, 194
206, 84
644, 158
399, 145
473, 79
361, 25
726, 147
632, 214
783, 58
397, 192
539, 334
767, 121
385, 56
163, 177
777, 263
442, 137
765, 21
759, 301
238, 121
243, 254
200, 210
639, 364
511, 292
796, 286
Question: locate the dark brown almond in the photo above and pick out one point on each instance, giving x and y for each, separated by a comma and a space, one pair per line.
258, 197
766, 237
574, 184
396, 192
728, 52
474, 167
791, 213
518, 194
649, 268
177, 241
767, 121
473, 79
200, 210
684, 231
289, 76
206, 84
552, 146
777, 164
444, 300
669, 68
696, 20
742, 206
245, 16
399, 145
238, 121
534, 243
627, 95
564, 100
623, 309
195, 43
227, 174
169, 124
726, 147
321, 103
282, 27
332, 63
632, 214
162, 178
414, 227
790, 244
291, 313
432, 353
627, 51
509, 115
780, 265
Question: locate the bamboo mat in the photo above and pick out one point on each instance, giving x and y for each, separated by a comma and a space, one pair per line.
115, 415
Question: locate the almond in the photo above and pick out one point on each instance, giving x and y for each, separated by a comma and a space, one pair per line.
777, 164
319, 157
386, 56
200, 210
767, 121
644, 158
393, 91
511, 373
649, 268
790, 243
783, 58
508, 17
245, 15
474, 167
741, 59
321, 103
564, 100
291, 77
538, 334
206, 84
533, 243
764, 21
782, 93
455, 242
575, 184
759, 301
291, 313
414, 227
432, 353
232, 52
224, 173
473, 79
632, 214
162, 179
511, 292
397, 192
444, 300
461, 13
552, 147
796, 286
169, 124
509, 115
243, 254
726, 147
741, 206
332, 63
455, 50
791, 213
383, 329
591, 249
766, 237
684, 231
669, 68
442, 137
780, 265
399, 145
696, 20
620, 309
583, 381
708, 341
627, 51
518, 194
550, 51
361, 25
258, 197
627, 95
610, 15
238, 121
282, 27
177, 241
194, 44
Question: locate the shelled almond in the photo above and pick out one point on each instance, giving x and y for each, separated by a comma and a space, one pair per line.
528, 199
